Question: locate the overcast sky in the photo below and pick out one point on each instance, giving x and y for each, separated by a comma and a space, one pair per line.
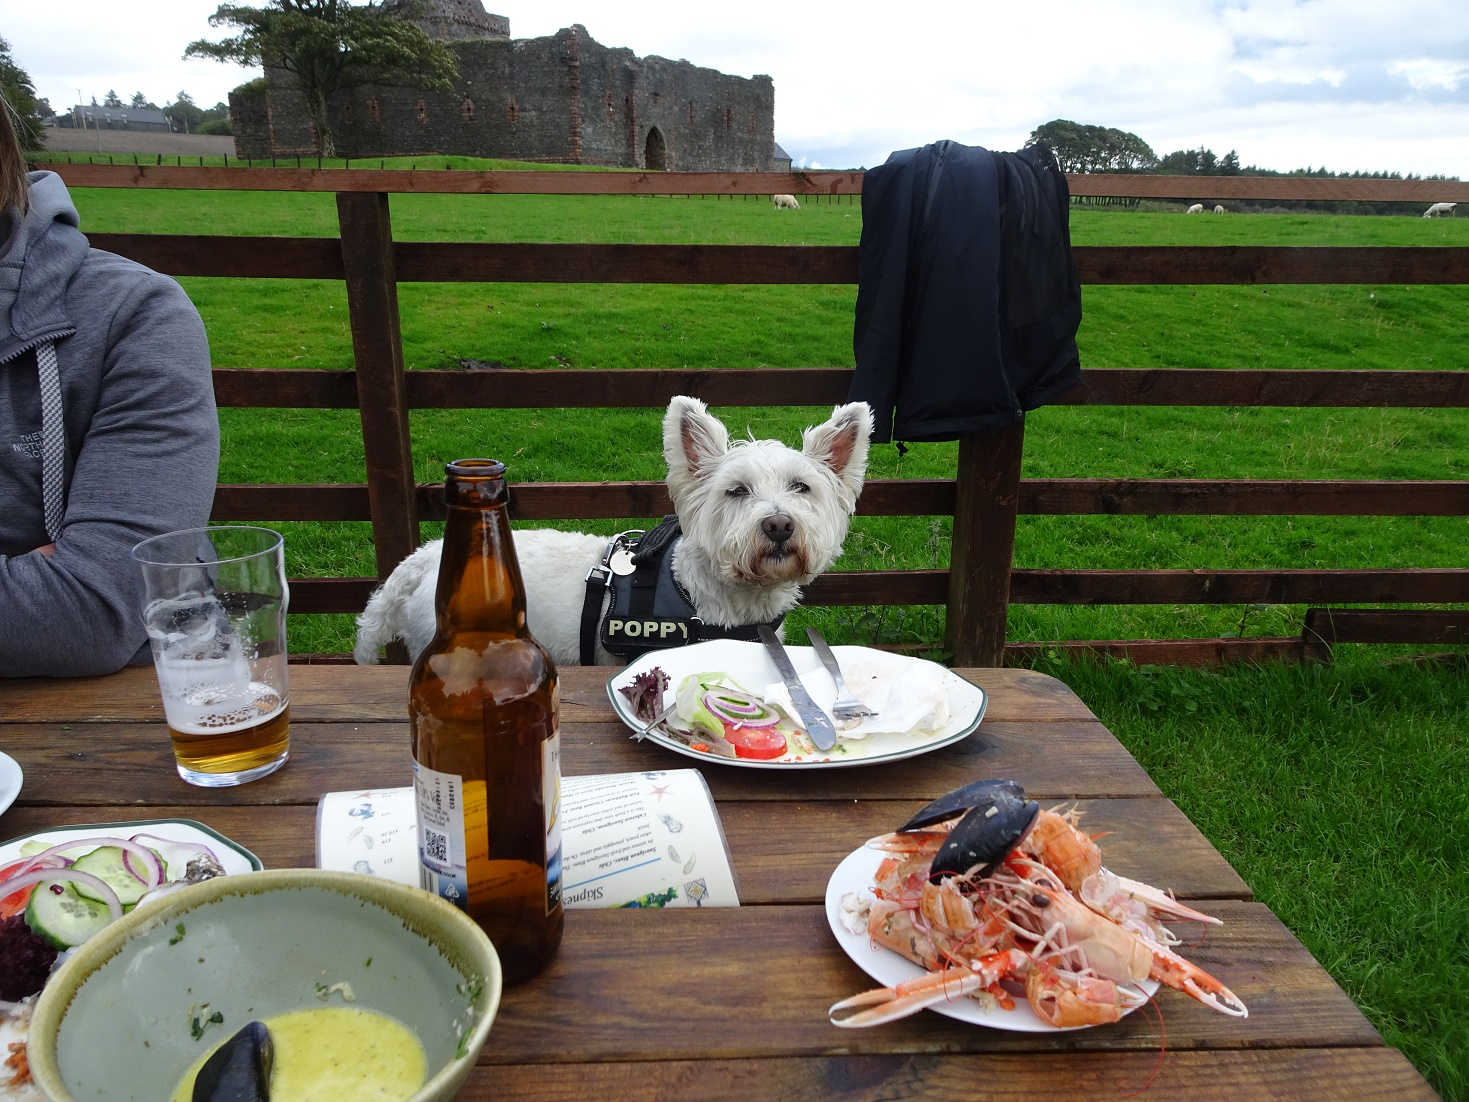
1349, 85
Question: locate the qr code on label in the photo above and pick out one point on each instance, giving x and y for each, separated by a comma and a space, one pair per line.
435, 845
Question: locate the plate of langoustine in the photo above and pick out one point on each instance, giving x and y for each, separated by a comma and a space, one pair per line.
985, 908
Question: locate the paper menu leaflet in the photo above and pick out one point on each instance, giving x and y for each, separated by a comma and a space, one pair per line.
650, 839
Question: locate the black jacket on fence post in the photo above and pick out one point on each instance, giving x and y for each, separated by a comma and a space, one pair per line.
968, 300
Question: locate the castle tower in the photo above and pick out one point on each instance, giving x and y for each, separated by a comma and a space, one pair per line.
451, 20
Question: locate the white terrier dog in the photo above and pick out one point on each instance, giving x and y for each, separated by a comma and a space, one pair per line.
758, 521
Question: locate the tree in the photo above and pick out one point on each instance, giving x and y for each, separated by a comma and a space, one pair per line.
329, 45
15, 82
140, 100
184, 111
111, 99
1088, 148
1066, 142
216, 120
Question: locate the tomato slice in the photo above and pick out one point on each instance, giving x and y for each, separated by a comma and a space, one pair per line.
763, 743
15, 902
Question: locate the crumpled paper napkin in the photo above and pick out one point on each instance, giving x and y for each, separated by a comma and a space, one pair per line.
913, 701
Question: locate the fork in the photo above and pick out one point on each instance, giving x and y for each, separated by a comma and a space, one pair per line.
846, 706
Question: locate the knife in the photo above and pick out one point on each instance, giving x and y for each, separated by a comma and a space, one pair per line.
818, 723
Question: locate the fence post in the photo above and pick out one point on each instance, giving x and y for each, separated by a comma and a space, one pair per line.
987, 495
382, 393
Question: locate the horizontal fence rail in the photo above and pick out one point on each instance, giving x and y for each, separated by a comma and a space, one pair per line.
985, 496
579, 388
1118, 265
899, 498
468, 182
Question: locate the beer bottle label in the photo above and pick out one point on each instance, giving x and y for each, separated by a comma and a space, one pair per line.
551, 801
449, 813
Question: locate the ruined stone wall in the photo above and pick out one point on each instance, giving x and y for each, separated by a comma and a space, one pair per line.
451, 20
563, 98
249, 121
705, 119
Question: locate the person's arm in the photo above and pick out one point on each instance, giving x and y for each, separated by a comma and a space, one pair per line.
147, 465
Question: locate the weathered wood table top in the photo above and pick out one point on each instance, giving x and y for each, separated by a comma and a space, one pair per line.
732, 1002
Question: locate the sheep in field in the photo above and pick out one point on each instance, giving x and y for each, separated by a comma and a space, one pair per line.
783, 202
1218, 210
1440, 210
1197, 208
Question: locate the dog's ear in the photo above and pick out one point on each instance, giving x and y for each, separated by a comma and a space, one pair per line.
694, 441
841, 444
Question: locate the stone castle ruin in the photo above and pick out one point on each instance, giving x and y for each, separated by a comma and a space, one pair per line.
564, 98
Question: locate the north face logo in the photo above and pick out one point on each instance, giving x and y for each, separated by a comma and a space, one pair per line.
28, 445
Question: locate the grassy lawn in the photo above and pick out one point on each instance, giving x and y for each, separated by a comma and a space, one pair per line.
1337, 791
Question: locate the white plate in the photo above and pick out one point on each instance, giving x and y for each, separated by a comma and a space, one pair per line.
232, 856
748, 664
855, 874
10, 778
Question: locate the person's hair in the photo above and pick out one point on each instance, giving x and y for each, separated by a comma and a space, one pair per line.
14, 191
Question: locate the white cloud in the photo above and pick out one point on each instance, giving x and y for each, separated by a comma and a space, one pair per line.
1424, 73
1266, 73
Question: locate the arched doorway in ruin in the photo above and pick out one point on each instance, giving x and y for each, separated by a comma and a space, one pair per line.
655, 151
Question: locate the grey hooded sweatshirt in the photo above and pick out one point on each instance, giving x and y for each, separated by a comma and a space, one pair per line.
108, 435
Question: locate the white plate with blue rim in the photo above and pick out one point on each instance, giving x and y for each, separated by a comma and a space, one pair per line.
922, 706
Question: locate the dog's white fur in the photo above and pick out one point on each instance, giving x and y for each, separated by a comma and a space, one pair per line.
759, 520
785, 202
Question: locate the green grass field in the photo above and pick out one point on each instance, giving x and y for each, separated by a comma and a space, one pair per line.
1338, 791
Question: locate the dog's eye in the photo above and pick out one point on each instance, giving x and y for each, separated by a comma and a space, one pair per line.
799, 488
737, 491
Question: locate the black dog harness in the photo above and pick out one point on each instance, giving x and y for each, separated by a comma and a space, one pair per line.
649, 610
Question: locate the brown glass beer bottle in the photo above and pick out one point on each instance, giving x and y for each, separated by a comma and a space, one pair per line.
486, 751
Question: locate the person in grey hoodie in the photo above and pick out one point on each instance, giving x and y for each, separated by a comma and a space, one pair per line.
108, 432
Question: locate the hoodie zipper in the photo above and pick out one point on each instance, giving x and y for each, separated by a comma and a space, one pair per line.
36, 342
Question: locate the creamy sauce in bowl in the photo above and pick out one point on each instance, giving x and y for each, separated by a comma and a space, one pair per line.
334, 1053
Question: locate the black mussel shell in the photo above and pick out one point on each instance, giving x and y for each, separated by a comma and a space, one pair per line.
986, 835
239, 1070
959, 800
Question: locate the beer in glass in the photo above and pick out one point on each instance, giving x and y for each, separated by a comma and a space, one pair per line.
215, 609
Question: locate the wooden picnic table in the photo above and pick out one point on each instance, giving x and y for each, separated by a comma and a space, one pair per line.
732, 1002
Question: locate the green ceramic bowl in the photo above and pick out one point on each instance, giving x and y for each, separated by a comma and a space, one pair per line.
115, 1021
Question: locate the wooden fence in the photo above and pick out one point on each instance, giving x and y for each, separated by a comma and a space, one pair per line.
987, 492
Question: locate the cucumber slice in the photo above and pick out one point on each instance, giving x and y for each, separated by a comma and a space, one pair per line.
107, 864
64, 918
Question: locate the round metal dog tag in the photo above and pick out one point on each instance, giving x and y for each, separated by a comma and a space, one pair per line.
620, 561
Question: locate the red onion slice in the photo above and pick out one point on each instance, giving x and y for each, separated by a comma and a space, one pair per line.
152, 867
176, 855
740, 708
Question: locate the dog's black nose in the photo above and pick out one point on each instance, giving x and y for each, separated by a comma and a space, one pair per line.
778, 528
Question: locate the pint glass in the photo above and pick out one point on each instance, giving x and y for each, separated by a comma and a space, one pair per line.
215, 609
